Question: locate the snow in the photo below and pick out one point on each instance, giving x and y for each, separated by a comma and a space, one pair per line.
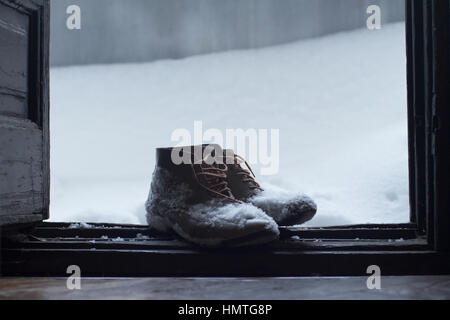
80, 225
282, 204
339, 102
140, 236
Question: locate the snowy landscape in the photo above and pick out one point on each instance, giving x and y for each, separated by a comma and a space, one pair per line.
339, 102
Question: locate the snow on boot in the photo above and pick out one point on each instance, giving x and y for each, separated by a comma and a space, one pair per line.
193, 200
285, 207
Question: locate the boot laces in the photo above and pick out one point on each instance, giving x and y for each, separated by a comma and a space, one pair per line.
215, 179
247, 175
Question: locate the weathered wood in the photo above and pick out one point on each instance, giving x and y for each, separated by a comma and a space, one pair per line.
111, 250
9, 221
14, 42
428, 92
204, 289
428, 53
185, 262
44, 97
416, 111
169, 244
24, 136
440, 122
371, 226
20, 167
98, 230
349, 233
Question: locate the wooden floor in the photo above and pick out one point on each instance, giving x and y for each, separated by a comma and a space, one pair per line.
406, 287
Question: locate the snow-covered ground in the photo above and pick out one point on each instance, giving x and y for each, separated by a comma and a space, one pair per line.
339, 102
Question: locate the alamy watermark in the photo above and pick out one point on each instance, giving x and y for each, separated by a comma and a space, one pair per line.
257, 146
74, 280
374, 20
374, 280
73, 21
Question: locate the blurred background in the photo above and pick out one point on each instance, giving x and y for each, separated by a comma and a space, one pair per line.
139, 69
147, 30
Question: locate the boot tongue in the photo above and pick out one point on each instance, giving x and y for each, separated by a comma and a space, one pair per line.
235, 165
213, 162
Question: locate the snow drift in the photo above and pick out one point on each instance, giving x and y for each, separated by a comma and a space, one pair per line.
339, 102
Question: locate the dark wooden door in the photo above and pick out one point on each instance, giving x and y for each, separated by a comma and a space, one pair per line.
24, 111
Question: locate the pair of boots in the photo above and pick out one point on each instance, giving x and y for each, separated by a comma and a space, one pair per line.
209, 199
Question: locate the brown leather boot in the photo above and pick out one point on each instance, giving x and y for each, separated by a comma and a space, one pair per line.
285, 207
193, 199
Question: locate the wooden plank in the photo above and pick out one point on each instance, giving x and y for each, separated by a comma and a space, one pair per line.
156, 256
92, 232
372, 226
42, 92
285, 232
205, 289
135, 263
20, 167
14, 27
48, 224
169, 244
347, 233
26, 220
416, 111
440, 123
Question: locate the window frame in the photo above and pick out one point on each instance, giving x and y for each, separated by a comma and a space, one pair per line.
419, 247
427, 24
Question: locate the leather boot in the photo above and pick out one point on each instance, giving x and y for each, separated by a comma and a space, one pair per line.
193, 200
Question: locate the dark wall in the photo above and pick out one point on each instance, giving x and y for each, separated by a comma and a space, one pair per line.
145, 30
